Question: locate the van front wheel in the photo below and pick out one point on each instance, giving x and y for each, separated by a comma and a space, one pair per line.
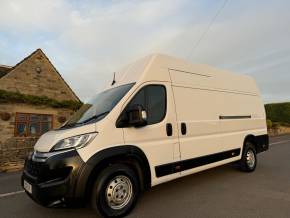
248, 162
115, 191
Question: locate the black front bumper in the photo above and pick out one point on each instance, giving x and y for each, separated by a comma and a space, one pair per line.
54, 179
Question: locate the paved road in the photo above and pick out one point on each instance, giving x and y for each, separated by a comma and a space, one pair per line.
220, 192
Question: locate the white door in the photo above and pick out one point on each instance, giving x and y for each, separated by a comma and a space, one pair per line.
198, 121
159, 138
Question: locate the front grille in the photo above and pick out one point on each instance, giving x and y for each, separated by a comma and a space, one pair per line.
34, 168
39, 171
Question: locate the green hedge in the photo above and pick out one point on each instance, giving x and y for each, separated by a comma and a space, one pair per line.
17, 97
278, 112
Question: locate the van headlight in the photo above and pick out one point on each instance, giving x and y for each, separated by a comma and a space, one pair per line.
78, 141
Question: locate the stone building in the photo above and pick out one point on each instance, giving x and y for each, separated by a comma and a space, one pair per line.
34, 98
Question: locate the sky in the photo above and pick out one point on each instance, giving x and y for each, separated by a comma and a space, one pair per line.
87, 40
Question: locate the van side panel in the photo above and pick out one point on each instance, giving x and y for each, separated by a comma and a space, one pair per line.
234, 130
218, 117
213, 79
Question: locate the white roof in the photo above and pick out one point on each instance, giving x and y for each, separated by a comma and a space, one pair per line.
159, 67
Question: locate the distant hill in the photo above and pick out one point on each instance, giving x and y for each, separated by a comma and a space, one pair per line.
278, 112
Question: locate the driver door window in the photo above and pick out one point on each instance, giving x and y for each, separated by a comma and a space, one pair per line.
153, 99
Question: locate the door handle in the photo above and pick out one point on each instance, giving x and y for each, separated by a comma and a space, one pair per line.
169, 129
183, 128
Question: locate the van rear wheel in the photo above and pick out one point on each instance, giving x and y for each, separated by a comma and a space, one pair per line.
248, 162
115, 191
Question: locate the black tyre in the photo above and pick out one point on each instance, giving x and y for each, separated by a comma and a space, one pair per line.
115, 191
248, 162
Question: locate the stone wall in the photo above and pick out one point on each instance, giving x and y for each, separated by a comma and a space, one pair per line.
282, 130
13, 150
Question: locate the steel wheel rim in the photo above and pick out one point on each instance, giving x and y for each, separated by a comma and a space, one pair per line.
119, 192
251, 160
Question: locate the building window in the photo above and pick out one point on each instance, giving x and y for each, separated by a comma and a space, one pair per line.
27, 124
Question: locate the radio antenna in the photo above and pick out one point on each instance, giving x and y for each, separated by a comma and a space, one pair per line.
114, 81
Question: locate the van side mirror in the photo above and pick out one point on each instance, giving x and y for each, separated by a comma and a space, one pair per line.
135, 116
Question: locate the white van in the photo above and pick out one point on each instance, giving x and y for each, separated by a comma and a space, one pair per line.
161, 118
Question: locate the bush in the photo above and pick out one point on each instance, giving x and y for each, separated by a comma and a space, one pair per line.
286, 124
276, 125
278, 112
269, 124
17, 97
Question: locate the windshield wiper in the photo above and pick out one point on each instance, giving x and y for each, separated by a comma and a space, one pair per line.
69, 125
94, 117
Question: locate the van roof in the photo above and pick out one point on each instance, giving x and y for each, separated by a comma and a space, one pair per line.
160, 67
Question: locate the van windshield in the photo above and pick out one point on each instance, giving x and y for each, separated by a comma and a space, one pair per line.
99, 106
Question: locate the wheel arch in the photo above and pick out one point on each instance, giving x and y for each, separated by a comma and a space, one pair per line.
261, 142
250, 138
128, 154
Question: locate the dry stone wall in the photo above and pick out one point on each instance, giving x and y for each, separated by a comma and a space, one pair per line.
13, 150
